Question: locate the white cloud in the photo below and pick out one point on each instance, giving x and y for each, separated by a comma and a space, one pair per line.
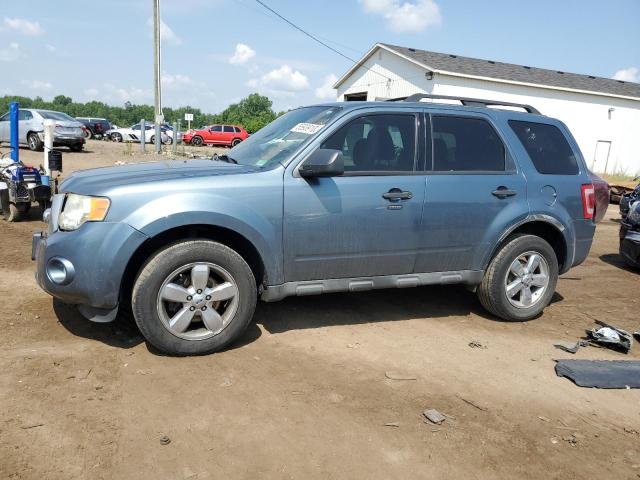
11, 53
92, 92
631, 74
50, 48
283, 81
175, 81
166, 34
37, 84
242, 55
25, 27
326, 90
411, 16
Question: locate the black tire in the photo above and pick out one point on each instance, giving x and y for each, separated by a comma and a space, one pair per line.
492, 292
235, 142
160, 267
116, 137
87, 134
77, 147
11, 213
34, 142
196, 141
168, 140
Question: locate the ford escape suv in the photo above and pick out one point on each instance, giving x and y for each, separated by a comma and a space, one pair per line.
327, 198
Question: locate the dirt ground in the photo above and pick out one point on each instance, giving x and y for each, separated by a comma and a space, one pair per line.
306, 393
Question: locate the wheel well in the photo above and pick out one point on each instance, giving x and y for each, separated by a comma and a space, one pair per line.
222, 235
548, 232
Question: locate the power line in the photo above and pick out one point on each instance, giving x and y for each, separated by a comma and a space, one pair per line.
316, 39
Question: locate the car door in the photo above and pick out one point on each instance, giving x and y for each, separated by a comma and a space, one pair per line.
367, 221
25, 124
474, 192
227, 134
215, 135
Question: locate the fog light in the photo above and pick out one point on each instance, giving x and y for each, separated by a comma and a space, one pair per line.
60, 271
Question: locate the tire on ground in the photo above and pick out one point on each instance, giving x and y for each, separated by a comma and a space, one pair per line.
166, 261
492, 292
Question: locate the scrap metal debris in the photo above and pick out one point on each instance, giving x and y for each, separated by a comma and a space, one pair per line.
571, 347
600, 373
392, 424
434, 416
610, 337
476, 344
164, 440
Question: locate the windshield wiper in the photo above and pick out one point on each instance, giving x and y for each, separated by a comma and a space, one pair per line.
224, 158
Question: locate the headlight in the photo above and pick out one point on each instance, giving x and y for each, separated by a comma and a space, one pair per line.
79, 209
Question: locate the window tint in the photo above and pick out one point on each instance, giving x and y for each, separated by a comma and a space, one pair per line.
466, 144
376, 143
216, 128
228, 129
547, 147
4, 118
24, 115
237, 130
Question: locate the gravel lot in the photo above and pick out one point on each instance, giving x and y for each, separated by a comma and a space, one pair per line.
307, 393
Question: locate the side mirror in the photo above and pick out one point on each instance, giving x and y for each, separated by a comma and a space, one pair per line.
323, 162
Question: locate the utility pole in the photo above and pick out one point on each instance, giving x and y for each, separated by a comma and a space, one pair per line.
156, 72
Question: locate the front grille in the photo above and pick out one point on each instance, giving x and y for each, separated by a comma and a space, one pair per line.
22, 192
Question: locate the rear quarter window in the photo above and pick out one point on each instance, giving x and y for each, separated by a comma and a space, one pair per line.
547, 147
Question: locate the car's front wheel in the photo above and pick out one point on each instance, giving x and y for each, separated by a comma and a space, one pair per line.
116, 137
196, 141
194, 297
34, 142
521, 279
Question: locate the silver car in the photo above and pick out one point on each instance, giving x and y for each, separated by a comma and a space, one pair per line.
69, 132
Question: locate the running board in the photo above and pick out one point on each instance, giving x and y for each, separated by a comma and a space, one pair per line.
316, 287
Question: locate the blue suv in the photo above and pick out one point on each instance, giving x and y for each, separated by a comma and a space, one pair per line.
327, 198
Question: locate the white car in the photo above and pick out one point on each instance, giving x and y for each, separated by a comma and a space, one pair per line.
132, 134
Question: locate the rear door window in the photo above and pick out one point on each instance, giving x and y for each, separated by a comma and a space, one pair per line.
547, 147
237, 130
463, 144
228, 129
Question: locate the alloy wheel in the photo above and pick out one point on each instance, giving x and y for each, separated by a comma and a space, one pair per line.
527, 280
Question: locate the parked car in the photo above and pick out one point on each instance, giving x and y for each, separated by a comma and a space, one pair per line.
336, 197
94, 127
627, 199
229, 135
630, 235
69, 132
602, 196
132, 134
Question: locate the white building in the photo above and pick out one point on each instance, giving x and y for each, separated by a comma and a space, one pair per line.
603, 114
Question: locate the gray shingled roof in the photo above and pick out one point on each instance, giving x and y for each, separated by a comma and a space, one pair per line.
518, 73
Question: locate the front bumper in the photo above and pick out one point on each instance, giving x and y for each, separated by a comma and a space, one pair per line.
630, 245
86, 266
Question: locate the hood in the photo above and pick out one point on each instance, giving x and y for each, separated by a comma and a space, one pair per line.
98, 181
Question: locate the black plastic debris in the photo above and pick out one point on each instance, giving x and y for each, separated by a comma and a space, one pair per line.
610, 337
600, 373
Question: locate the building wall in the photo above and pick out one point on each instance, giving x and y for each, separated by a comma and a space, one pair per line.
587, 116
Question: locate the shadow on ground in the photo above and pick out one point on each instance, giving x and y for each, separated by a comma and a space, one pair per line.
618, 261
297, 313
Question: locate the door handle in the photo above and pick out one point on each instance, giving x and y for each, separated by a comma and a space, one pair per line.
503, 192
397, 194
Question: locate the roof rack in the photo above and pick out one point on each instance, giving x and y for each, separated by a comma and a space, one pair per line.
467, 102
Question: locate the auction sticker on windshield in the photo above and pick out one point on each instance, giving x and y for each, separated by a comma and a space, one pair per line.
307, 128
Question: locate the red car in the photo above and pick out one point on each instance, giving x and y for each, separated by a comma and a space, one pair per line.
230, 135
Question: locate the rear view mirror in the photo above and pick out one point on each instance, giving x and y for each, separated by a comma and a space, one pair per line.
323, 162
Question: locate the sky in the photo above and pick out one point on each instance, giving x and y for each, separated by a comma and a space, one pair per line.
215, 52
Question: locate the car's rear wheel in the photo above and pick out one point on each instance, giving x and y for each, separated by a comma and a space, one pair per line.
194, 297
235, 142
76, 147
521, 279
116, 137
196, 141
167, 140
34, 142
87, 133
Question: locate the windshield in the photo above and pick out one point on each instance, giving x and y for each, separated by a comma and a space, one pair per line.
282, 137
56, 116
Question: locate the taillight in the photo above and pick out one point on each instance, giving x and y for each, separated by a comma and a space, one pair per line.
588, 200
